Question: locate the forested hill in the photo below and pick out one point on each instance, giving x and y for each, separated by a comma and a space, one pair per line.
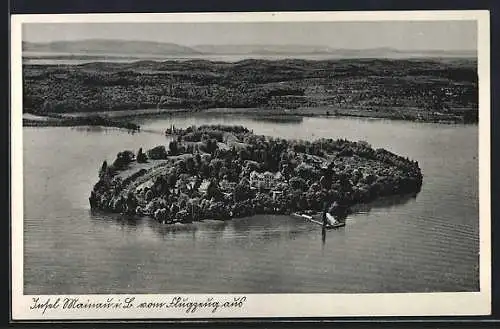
405, 89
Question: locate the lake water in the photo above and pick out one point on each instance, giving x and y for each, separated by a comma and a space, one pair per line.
422, 244
34, 58
42, 58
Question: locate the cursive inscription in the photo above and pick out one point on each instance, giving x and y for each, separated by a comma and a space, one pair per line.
183, 304
44, 305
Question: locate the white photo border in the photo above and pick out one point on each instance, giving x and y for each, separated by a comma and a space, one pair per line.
260, 305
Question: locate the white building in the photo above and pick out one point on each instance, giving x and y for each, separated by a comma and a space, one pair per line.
204, 186
266, 179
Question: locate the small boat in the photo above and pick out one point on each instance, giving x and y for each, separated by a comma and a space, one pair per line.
335, 225
332, 222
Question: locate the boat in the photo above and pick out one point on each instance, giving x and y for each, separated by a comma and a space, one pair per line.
330, 225
335, 225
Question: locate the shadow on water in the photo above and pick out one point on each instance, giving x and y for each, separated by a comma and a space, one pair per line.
102, 129
385, 202
100, 215
96, 129
278, 119
261, 227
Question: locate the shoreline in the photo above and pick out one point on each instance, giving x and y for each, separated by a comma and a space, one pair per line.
81, 118
89, 120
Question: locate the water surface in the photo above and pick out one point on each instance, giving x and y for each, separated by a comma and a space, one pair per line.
427, 243
54, 58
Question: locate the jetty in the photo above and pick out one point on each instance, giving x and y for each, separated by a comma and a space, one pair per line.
332, 222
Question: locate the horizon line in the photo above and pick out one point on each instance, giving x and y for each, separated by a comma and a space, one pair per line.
249, 44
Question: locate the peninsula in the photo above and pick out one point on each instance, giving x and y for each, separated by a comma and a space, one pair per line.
223, 172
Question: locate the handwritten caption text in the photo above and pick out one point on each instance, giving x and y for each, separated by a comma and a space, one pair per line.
184, 304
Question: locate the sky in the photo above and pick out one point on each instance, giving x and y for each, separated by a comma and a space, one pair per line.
403, 35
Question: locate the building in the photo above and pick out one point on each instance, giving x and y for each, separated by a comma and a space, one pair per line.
267, 179
204, 186
227, 186
275, 194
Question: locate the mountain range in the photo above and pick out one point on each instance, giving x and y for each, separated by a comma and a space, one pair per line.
125, 47
102, 46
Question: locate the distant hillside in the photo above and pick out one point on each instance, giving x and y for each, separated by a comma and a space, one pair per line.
396, 53
446, 53
123, 47
381, 52
96, 46
262, 49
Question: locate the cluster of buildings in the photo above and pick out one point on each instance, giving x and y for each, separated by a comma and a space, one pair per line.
268, 181
272, 182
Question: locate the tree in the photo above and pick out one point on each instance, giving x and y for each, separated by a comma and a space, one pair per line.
211, 145
197, 159
243, 155
141, 157
104, 169
262, 187
347, 152
181, 166
325, 182
149, 195
297, 183
123, 159
242, 191
197, 183
183, 182
182, 204
286, 171
303, 204
171, 180
159, 186
190, 165
173, 147
315, 187
213, 191
205, 170
157, 153
174, 208
215, 166
131, 203
244, 181
305, 171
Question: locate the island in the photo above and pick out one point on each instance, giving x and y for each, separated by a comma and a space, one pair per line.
222, 172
